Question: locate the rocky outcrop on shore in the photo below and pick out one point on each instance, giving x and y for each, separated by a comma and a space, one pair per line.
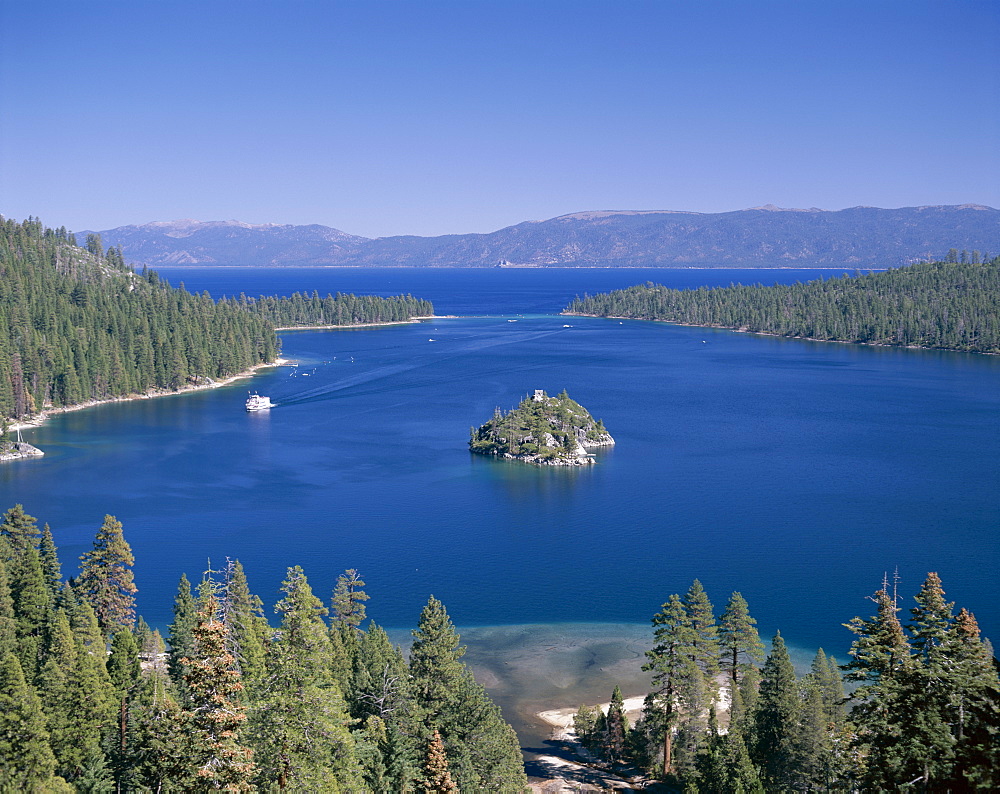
543, 430
16, 450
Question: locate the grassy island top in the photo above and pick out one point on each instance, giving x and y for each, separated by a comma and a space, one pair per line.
543, 430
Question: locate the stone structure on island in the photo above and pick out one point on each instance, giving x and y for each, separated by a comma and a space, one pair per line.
546, 431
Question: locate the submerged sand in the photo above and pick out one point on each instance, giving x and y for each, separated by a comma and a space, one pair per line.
540, 674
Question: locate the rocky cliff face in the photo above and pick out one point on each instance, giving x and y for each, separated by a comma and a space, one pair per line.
543, 430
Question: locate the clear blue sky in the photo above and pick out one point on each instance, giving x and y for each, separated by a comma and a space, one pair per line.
423, 117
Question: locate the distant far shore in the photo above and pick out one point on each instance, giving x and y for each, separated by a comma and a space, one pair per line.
515, 267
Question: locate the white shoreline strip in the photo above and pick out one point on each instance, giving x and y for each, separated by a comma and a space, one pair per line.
42, 416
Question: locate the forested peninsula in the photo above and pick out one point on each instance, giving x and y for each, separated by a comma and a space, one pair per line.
949, 305
92, 699
79, 325
303, 311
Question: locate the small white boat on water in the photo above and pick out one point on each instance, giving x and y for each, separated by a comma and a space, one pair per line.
257, 403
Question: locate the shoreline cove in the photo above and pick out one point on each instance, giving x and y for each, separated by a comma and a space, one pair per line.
42, 416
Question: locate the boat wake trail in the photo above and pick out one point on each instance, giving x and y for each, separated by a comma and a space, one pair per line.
352, 383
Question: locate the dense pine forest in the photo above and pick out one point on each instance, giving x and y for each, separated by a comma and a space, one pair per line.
78, 324
923, 713
949, 305
92, 699
340, 309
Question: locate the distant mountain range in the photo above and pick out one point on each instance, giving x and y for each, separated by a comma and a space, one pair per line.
858, 237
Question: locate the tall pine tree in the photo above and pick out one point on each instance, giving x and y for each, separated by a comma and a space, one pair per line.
106, 579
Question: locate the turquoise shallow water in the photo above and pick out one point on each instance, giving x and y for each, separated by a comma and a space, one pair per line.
796, 472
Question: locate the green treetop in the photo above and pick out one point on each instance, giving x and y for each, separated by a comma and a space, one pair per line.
776, 717
26, 760
739, 641
106, 579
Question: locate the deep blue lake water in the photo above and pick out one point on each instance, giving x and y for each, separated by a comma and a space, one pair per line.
798, 473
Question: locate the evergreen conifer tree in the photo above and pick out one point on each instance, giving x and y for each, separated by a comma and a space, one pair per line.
106, 579
123, 662
216, 710
379, 698
738, 639
26, 760
616, 729
435, 662
680, 698
74, 699
881, 663
776, 717
741, 774
483, 752
8, 625
946, 676
20, 529
705, 650
300, 723
123, 670
977, 704
32, 602
181, 639
49, 558
162, 753
349, 601
247, 628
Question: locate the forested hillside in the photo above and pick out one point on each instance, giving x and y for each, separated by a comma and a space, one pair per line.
339, 309
949, 305
78, 324
91, 699
924, 716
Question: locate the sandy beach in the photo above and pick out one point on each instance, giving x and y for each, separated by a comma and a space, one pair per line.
365, 325
540, 674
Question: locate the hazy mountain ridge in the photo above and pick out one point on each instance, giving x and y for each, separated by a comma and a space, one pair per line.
766, 236
189, 242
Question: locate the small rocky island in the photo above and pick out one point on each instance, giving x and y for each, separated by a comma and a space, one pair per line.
16, 450
546, 431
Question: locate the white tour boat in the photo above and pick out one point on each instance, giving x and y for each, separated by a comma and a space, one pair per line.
257, 403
